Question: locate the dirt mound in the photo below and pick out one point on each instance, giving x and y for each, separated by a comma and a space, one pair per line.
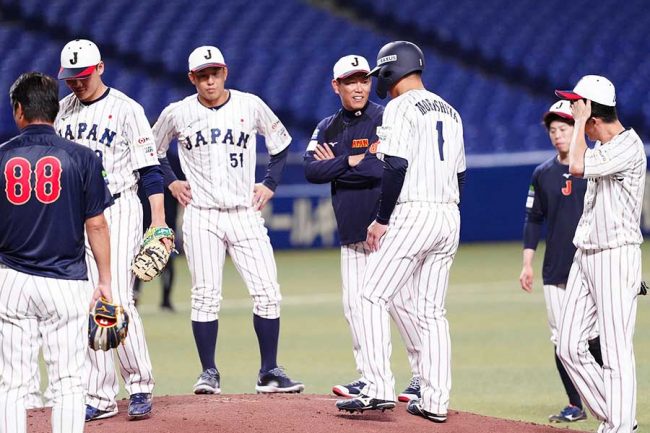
280, 413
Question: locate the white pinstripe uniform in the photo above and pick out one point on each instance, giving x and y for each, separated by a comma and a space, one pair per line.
217, 152
116, 128
61, 307
354, 261
604, 282
420, 243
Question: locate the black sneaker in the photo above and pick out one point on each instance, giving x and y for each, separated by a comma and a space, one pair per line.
276, 380
363, 402
350, 390
415, 408
412, 391
209, 382
140, 405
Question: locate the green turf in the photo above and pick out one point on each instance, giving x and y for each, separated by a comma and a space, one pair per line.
502, 357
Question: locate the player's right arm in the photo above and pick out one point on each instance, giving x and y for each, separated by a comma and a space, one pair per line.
164, 131
319, 161
98, 238
97, 197
532, 232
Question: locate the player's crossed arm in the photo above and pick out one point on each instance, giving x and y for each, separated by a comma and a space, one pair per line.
323, 152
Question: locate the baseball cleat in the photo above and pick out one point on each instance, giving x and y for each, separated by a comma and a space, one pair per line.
363, 403
276, 380
412, 391
569, 414
92, 413
209, 382
350, 390
140, 405
415, 408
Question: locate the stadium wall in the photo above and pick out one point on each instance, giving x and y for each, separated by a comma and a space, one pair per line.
492, 209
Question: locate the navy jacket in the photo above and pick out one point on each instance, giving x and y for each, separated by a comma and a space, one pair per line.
557, 198
355, 190
50, 187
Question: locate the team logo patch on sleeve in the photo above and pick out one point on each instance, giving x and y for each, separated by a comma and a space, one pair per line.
383, 132
530, 200
373, 147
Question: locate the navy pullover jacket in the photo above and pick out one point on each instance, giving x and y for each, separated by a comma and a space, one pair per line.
355, 190
557, 198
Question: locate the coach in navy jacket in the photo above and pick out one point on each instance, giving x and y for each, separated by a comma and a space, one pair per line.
342, 151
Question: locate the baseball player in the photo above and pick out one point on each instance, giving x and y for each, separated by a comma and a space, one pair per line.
342, 152
115, 127
557, 198
605, 275
47, 182
216, 129
415, 233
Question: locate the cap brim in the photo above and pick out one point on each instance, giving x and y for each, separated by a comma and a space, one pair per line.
208, 65
374, 71
557, 113
351, 73
76, 73
568, 94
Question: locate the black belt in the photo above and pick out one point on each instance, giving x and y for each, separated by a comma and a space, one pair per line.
116, 196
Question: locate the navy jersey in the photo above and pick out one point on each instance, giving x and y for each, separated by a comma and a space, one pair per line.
48, 188
557, 198
355, 190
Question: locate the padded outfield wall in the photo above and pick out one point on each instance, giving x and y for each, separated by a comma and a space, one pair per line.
493, 207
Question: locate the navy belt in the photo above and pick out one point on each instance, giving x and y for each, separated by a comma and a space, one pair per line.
116, 196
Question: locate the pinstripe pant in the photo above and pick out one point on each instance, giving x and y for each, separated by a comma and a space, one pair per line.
354, 259
554, 297
420, 244
125, 226
58, 309
207, 235
602, 289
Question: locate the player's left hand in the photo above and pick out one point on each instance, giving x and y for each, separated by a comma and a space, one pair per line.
169, 244
323, 152
581, 110
375, 232
261, 195
101, 291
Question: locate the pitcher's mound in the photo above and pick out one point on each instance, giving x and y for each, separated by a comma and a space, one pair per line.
280, 413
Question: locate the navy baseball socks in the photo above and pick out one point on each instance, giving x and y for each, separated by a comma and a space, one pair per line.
205, 337
272, 378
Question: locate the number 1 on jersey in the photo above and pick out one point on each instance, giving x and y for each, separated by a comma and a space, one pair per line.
441, 140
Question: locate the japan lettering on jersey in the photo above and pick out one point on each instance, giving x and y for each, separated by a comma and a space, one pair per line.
217, 146
616, 172
422, 128
116, 128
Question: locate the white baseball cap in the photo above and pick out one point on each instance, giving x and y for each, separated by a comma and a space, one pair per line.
205, 57
593, 87
79, 58
350, 65
560, 108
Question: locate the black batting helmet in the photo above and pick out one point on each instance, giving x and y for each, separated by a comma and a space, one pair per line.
394, 61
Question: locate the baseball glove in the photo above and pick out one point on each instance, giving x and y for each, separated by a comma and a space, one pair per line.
108, 325
153, 255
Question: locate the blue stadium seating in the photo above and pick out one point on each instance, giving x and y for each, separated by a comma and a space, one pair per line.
552, 43
284, 51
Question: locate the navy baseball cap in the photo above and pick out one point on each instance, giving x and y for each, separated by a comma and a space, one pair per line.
79, 59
